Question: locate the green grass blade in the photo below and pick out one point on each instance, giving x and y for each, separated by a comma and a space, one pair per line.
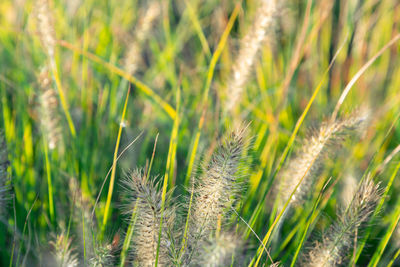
140, 85
378, 208
210, 75
170, 160
128, 237
63, 99
385, 239
185, 234
49, 182
311, 219
193, 17
396, 255
112, 179
300, 121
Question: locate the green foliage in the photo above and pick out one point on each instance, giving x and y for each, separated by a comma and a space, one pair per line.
314, 62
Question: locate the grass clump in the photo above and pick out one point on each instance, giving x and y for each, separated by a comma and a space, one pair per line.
89, 89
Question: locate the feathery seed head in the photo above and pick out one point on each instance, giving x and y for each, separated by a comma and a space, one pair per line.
349, 187
309, 162
148, 198
249, 47
72, 7
132, 59
103, 257
147, 21
335, 246
63, 254
364, 202
45, 26
49, 117
217, 187
218, 250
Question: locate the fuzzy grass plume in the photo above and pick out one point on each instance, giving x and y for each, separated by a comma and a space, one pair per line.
103, 256
335, 246
63, 253
138, 189
249, 47
208, 65
222, 250
309, 162
142, 30
217, 188
45, 26
48, 111
349, 188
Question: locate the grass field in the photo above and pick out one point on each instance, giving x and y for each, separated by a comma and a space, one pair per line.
199, 133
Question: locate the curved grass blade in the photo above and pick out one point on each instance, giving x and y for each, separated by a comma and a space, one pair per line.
140, 85
346, 90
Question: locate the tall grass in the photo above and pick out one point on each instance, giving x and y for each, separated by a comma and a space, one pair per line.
122, 139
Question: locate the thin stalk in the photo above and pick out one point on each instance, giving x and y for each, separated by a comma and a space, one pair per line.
112, 179
385, 239
285, 153
210, 74
49, 183
169, 168
63, 100
308, 225
140, 85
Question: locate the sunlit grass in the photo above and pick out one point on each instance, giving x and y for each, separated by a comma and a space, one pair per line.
319, 61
